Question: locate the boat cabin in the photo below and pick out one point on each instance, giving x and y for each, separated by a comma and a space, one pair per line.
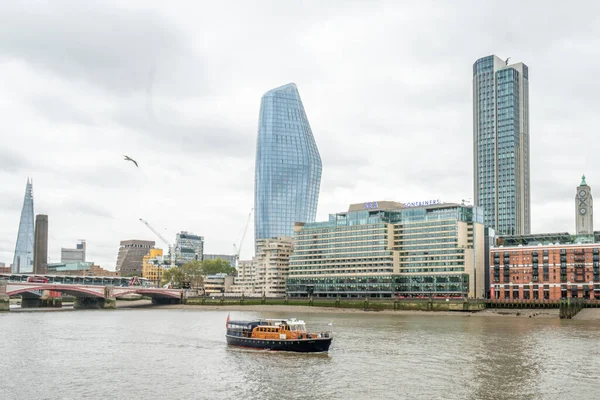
272, 329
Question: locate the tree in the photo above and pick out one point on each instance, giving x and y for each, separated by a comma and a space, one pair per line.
192, 271
173, 276
211, 267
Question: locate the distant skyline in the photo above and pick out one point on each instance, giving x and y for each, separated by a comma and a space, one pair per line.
177, 87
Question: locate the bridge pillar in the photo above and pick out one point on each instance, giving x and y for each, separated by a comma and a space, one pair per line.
88, 303
4, 299
30, 300
51, 299
109, 302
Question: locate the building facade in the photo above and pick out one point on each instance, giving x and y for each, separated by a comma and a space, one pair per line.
584, 209
288, 165
4, 269
73, 255
79, 269
266, 274
131, 255
546, 270
217, 284
40, 250
272, 266
23, 259
188, 247
388, 249
501, 144
550, 266
244, 282
153, 266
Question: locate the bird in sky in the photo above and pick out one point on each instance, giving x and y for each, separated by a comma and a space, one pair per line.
506, 62
132, 160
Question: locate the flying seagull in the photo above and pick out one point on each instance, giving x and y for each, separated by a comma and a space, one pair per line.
506, 62
131, 159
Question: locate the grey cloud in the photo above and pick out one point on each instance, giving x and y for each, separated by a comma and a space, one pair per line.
13, 161
387, 88
59, 111
86, 207
207, 138
114, 48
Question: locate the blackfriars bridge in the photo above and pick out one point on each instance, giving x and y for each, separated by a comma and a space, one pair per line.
86, 296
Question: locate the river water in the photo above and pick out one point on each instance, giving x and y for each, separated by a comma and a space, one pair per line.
181, 353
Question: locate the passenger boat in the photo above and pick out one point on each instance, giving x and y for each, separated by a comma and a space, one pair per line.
277, 334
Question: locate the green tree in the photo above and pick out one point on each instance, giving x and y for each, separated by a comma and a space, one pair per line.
174, 276
189, 272
211, 267
193, 273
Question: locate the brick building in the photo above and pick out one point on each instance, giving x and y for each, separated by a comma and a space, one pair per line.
545, 271
550, 266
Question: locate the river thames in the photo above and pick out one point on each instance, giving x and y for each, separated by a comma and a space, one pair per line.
181, 353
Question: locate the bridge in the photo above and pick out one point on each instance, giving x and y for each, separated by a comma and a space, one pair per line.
86, 296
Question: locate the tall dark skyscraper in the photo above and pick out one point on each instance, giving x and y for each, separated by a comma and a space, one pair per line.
23, 259
40, 250
501, 144
288, 165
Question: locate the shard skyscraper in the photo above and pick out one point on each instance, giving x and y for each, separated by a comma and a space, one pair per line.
23, 260
288, 165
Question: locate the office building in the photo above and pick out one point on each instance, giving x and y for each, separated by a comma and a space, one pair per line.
23, 259
549, 266
40, 250
153, 266
79, 269
288, 165
389, 249
5, 269
501, 144
188, 247
131, 255
73, 255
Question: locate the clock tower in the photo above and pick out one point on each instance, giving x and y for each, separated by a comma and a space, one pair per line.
584, 209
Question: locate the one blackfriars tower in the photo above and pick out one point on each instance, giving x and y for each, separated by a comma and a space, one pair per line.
501, 144
288, 165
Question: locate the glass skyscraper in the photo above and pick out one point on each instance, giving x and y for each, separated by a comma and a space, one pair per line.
288, 165
23, 260
501, 144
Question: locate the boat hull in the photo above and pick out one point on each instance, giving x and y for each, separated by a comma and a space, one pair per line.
313, 345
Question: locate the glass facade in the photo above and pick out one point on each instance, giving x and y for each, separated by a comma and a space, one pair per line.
288, 165
23, 259
188, 247
501, 144
410, 252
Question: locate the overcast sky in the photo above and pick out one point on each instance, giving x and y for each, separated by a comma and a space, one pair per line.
387, 87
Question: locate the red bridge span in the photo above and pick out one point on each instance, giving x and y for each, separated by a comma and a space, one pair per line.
88, 296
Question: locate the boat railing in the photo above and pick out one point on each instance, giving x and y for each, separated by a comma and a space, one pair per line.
319, 335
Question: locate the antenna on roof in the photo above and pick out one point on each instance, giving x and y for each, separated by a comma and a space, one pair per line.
506, 62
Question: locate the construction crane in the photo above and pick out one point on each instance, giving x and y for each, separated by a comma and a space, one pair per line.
237, 249
171, 249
